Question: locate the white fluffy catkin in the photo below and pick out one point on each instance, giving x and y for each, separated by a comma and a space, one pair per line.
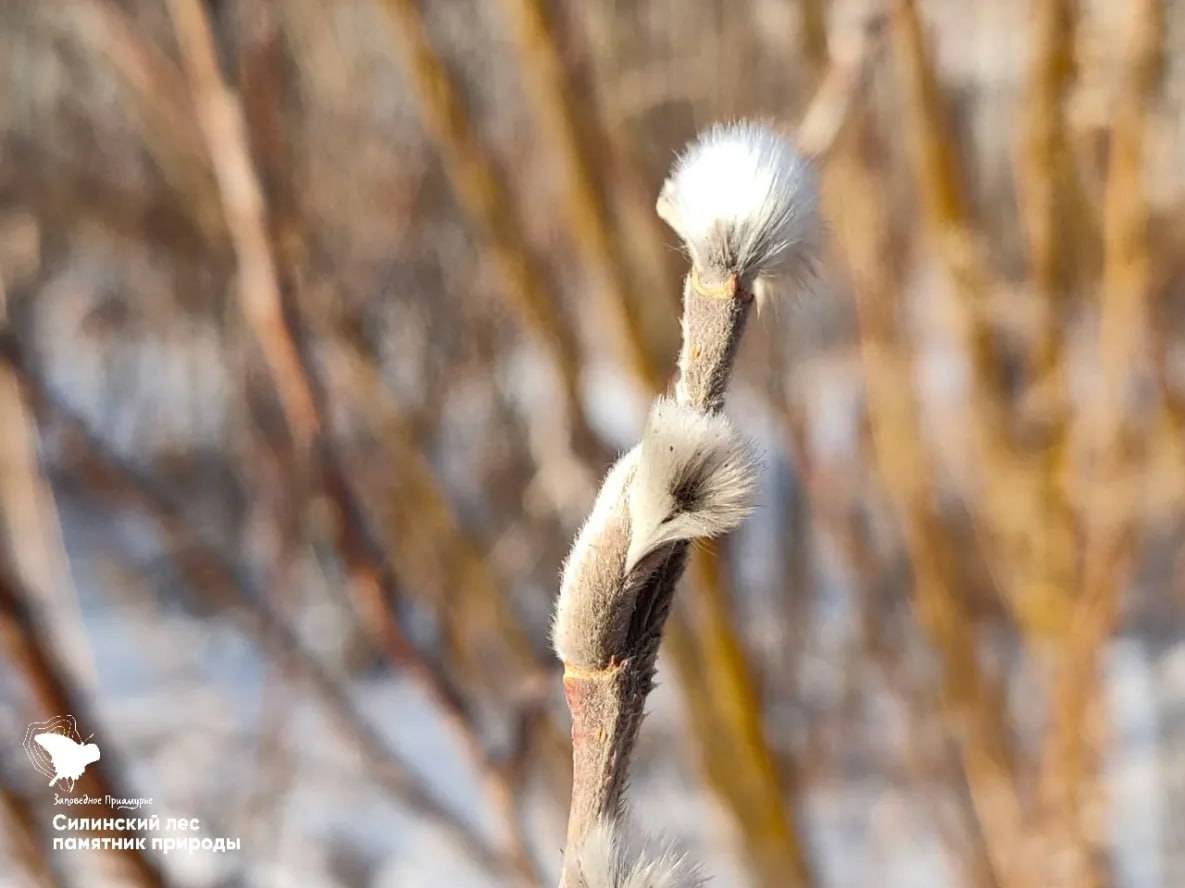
695, 479
745, 203
606, 862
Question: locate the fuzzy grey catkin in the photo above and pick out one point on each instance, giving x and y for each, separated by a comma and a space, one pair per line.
606, 860
691, 477
594, 607
695, 479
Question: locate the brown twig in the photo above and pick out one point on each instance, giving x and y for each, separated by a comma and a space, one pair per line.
972, 705
1007, 493
207, 568
769, 825
812, 26
1056, 225
1073, 752
30, 651
577, 139
162, 106
1044, 162
839, 518
491, 206
221, 123
268, 318
25, 837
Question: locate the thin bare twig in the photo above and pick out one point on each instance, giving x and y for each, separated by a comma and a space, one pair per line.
56, 694
1006, 504
25, 836
1073, 754
491, 206
577, 139
207, 568
972, 705
261, 301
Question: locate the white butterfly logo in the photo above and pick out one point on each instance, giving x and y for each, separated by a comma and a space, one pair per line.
58, 751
